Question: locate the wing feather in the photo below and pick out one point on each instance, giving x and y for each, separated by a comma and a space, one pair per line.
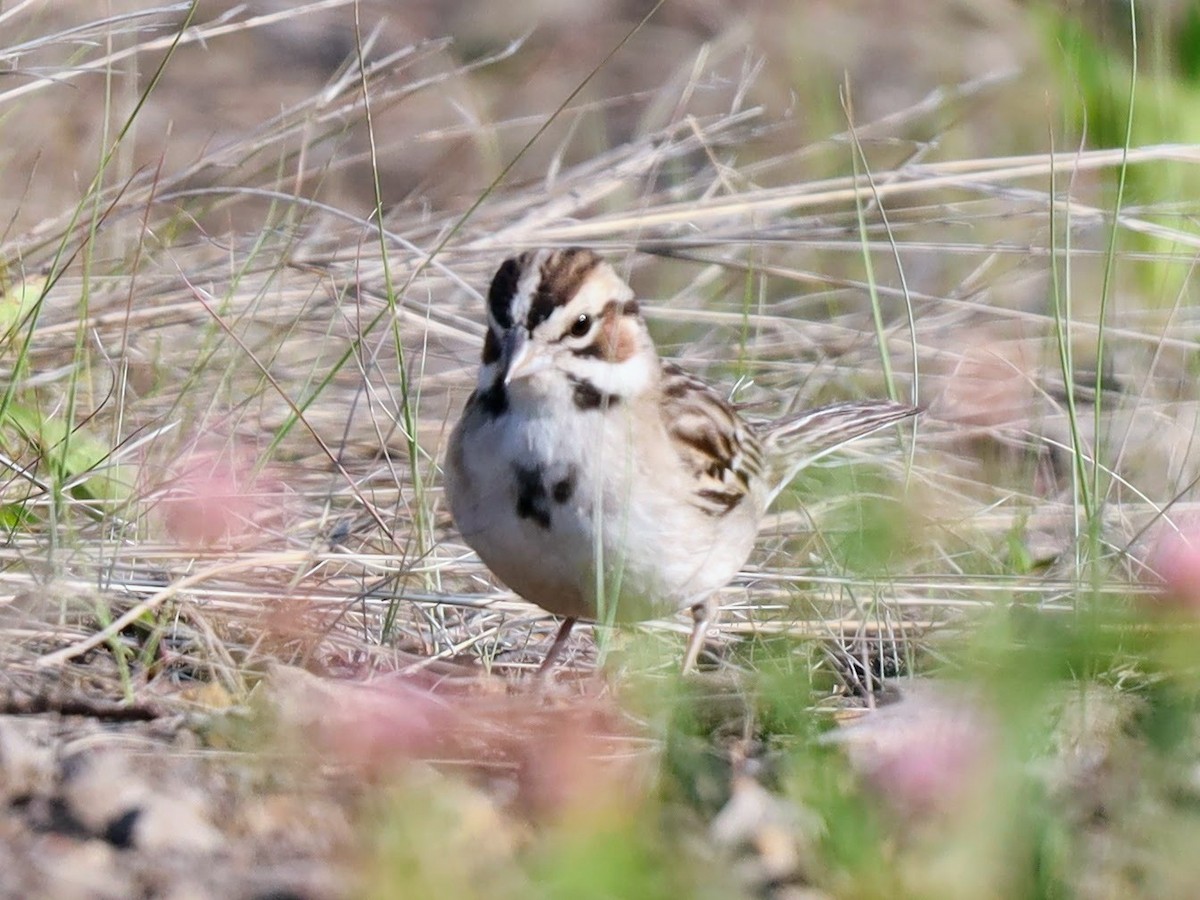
721, 450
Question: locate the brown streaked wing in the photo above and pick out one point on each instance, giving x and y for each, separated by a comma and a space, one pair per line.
721, 451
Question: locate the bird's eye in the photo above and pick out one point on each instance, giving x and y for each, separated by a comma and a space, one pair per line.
582, 325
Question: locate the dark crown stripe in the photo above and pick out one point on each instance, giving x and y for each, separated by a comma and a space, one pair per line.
562, 274
502, 291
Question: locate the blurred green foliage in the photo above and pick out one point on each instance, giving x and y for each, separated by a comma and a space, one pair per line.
1093, 47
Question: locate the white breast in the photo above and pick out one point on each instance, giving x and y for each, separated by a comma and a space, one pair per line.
629, 500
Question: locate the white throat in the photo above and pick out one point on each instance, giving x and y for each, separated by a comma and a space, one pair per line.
630, 378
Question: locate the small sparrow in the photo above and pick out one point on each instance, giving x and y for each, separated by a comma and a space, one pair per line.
600, 482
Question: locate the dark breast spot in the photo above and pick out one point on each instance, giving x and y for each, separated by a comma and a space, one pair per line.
532, 502
564, 488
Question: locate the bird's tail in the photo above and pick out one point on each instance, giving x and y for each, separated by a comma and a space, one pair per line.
799, 440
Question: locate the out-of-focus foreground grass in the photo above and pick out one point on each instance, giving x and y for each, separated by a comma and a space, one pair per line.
242, 251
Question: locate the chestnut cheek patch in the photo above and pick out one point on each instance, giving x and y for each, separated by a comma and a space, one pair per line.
617, 337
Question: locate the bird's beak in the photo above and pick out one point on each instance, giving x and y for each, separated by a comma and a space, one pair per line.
525, 357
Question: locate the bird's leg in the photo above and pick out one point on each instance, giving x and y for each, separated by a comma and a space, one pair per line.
704, 614
560, 641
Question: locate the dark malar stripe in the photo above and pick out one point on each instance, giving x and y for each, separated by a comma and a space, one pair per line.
492, 401
588, 397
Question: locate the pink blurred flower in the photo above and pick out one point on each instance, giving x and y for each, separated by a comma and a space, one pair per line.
988, 382
931, 754
211, 497
1175, 559
930, 772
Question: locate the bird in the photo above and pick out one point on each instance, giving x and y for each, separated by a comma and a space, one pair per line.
599, 481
